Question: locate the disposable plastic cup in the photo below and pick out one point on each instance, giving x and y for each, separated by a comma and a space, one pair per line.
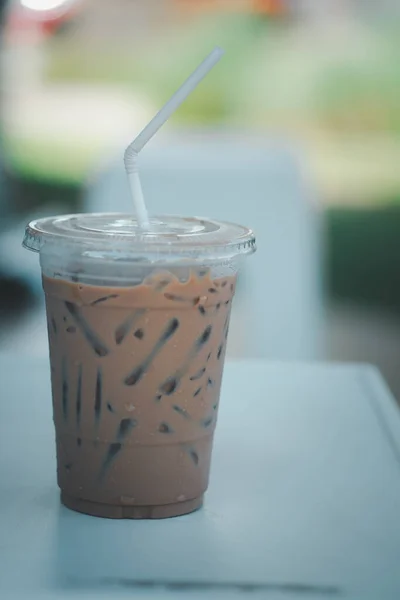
138, 323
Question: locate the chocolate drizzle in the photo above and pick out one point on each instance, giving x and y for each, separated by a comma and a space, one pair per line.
169, 386
198, 375
122, 330
78, 404
65, 388
54, 325
95, 342
176, 298
165, 428
207, 422
103, 299
113, 451
172, 383
135, 376
205, 336
125, 427
194, 456
181, 411
98, 396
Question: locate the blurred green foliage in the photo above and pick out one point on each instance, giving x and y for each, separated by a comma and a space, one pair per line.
272, 72
276, 75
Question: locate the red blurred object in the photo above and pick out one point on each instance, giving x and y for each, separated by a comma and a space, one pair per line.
266, 7
47, 22
270, 7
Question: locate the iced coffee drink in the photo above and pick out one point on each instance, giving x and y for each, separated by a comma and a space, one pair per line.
138, 326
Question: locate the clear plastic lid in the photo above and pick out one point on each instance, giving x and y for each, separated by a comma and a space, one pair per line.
117, 236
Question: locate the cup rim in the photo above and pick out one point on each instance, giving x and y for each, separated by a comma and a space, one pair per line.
117, 236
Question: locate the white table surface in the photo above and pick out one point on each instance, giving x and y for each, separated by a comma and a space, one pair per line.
304, 500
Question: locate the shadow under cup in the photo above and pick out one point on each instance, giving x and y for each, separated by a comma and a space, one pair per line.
137, 352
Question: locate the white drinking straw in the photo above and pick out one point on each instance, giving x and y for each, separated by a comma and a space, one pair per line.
131, 153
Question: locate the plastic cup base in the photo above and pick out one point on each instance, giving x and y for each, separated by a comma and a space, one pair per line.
113, 511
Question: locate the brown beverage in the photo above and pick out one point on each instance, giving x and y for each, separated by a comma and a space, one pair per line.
137, 347
136, 376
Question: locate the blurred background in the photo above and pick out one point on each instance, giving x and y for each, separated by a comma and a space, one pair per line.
296, 133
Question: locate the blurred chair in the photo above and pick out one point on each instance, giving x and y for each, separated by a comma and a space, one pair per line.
278, 308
